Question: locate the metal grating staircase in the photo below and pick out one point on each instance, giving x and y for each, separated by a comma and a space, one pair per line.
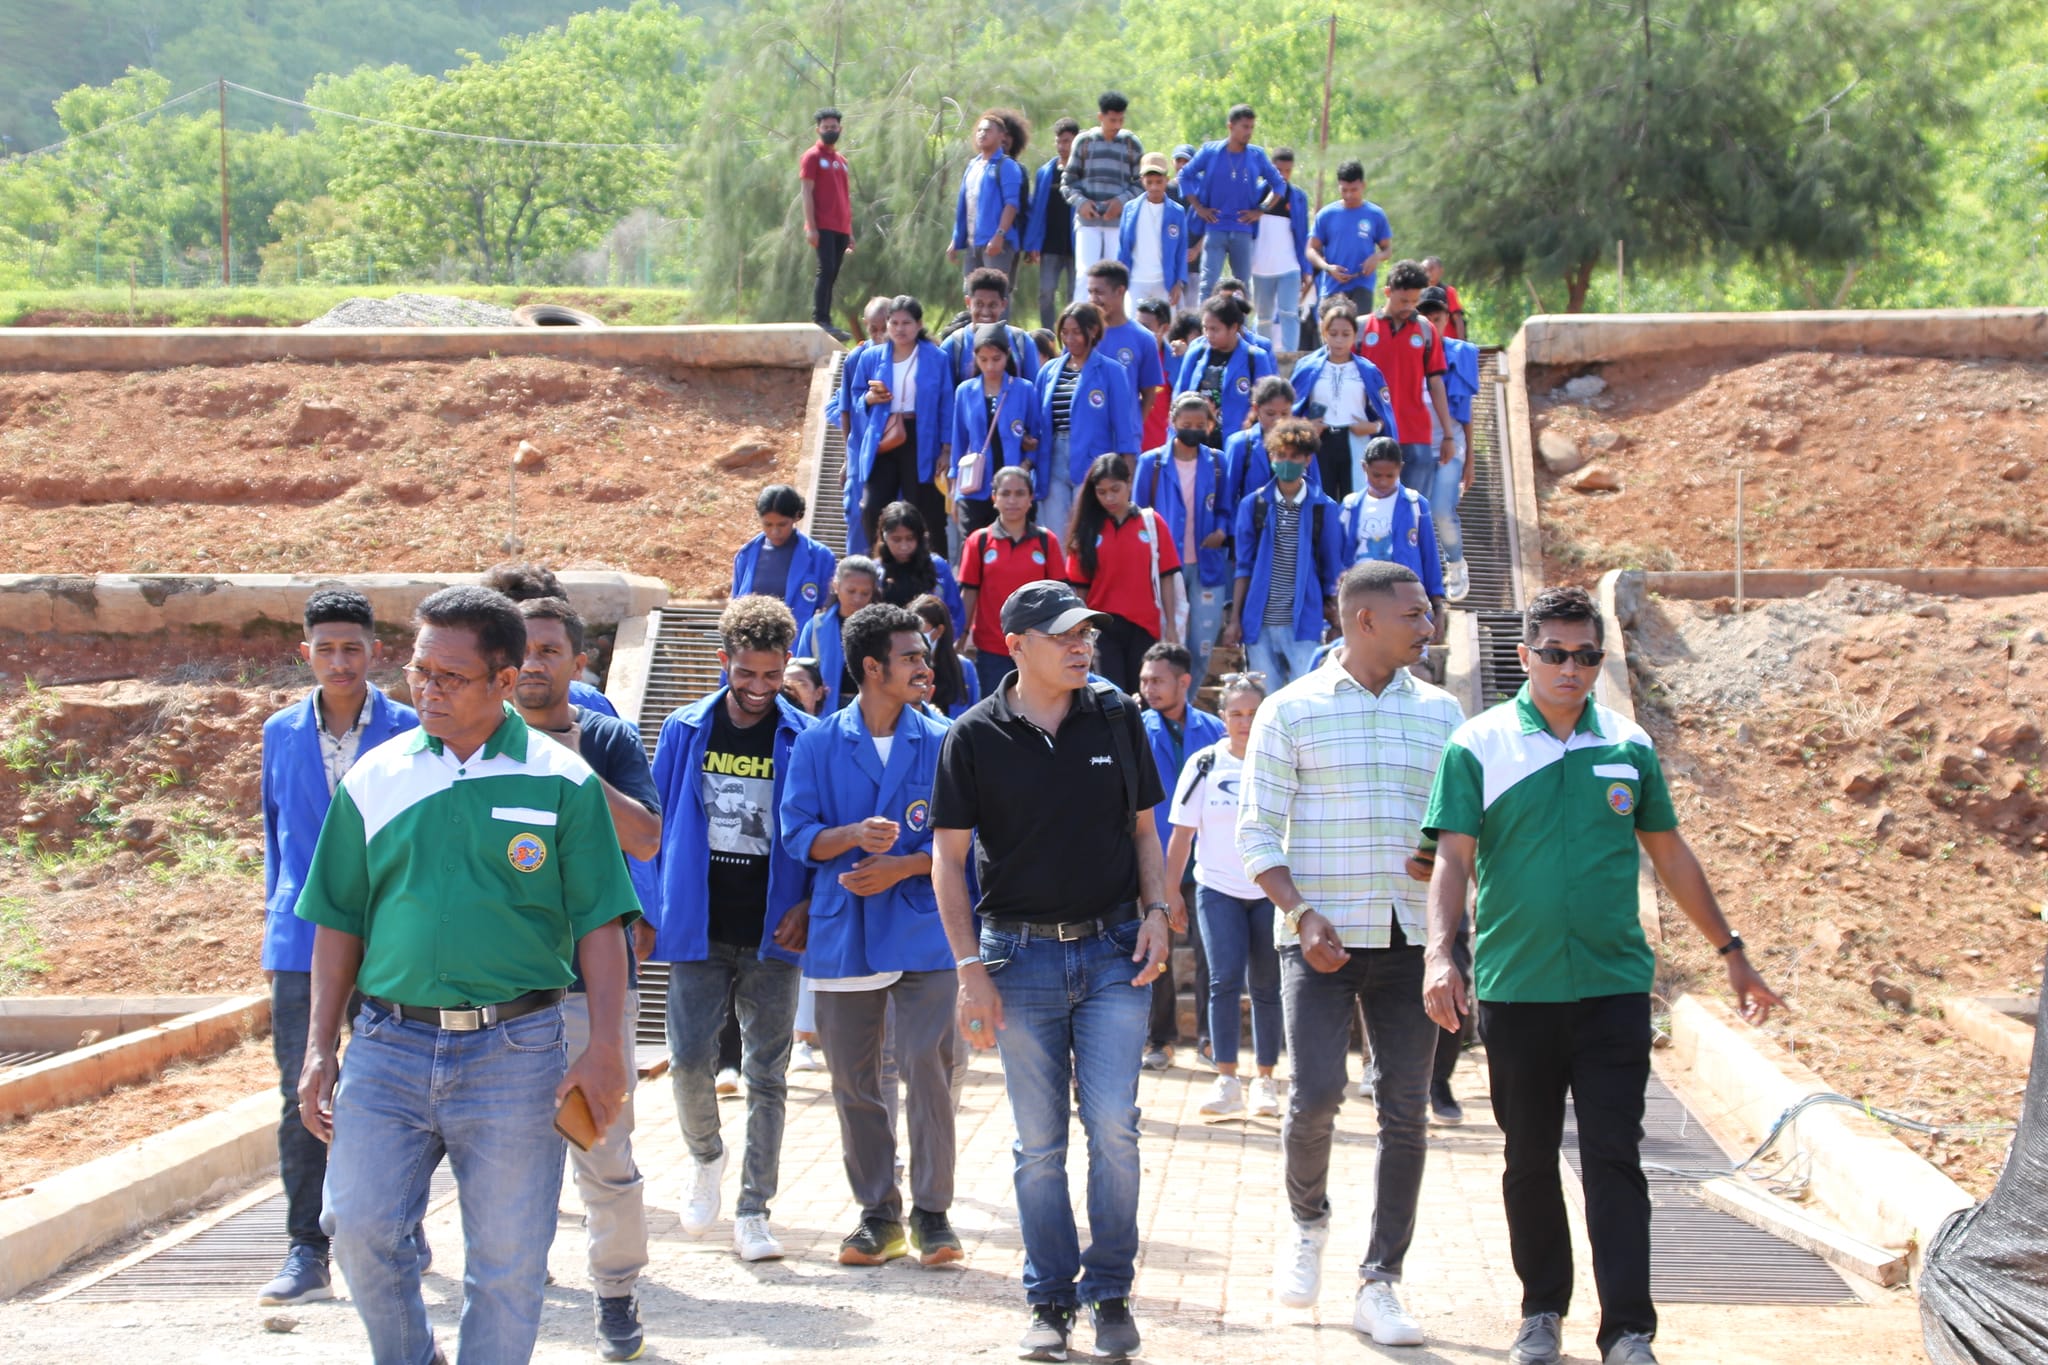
827, 521
1483, 512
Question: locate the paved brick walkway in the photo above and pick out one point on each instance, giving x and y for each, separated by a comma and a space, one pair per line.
1210, 1213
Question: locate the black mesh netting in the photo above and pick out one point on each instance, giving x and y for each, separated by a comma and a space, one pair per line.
1984, 1291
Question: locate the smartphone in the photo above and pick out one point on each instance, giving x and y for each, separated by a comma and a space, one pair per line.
573, 1120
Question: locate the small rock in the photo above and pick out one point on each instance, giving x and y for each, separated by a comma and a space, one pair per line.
1596, 478
1584, 387
1828, 938
139, 832
316, 420
90, 1036
1932, 611
280, 1322
1905, 715
2011, 737
1959, 771
1561, 454
747, 455
1890, 993
528, 459
1913, 846
2037, 636
2016, 472
1744, 734
1608, 442
1863, 782
1880, 820
1862, 651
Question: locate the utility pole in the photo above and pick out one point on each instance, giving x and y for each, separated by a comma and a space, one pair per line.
1323, 136
225, 279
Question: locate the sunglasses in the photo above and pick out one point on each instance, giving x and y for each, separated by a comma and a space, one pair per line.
1584, 658
1232, 679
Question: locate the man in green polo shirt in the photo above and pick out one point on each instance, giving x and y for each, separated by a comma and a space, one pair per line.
1546, 798
460, 867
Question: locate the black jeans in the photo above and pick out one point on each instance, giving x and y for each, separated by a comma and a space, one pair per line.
1599, 1051
1164, 1030
301, 1157
893, 479
831, 250
1120, 652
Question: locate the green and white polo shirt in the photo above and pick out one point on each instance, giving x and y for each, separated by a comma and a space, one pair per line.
1556, 825
469, 883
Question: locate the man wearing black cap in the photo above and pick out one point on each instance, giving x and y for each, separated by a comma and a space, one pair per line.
1045, 780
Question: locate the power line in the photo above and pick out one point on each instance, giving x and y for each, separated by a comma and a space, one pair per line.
61, 144
464, 137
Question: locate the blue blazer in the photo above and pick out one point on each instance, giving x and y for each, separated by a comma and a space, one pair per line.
837, 778
947, 591
1308, 372
1315, 575
1247, 366
821, 638
1246, 468
1414, 536
1173, 240
1157, 486
933, 408
1198, 731
1105, 417
1016, 417
959, 349
1297, 222
683, 919
970, 691
1044, 200
295, 801
1001, 188
840, 401
810, 574
582, 693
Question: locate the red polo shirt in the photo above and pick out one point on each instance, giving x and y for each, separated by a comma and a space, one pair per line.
1122, 585
1407, 356
825, 168
997, 566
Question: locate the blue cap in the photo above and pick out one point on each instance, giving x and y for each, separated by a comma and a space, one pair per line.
1184, 152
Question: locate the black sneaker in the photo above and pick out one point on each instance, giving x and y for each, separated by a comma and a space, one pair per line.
839, 334
618, 1328
875, 1241
933, 1236
1116, 1335
1045, 1336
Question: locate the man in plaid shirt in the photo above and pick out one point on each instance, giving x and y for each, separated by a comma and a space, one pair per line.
1338, 772
1101, 177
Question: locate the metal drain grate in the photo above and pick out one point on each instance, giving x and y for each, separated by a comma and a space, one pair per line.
1500, 667
1699, 1254
1483, 512
230, 1260
10, 1060
684, 667
827, 522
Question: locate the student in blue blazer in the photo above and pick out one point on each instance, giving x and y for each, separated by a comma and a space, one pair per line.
990, 205
1387, 520
907, 387
982, 446
732, 913
910, 567
782, 561
988, 301
857, 582
307, 747
1284, 649
1087, 408
1224, 365
1049, 227
857, 809
843, 406
1280, 265
1165, 272
1157, 485
1347, 397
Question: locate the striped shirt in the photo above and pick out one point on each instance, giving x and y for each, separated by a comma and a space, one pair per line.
1336, 784
1063, 398
1102, 169
1286, 533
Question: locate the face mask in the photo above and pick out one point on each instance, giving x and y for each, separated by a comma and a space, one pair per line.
1189, 436
829, 136
1289, 471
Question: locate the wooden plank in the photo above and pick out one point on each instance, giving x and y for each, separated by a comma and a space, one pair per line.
1853, 1255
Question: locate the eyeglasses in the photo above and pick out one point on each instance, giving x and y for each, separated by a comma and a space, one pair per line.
1080, 637
1584, 658
447, 684
1233, 679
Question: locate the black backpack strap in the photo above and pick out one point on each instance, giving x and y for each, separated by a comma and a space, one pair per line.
1114, 708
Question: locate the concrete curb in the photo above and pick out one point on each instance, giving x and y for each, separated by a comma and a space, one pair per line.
1586, 339
82, 1209
92, 1071
144, 604
1871, 1184
1987, 1028
1524, 508
1615, 690
625, 682
52, 1023
1701, 584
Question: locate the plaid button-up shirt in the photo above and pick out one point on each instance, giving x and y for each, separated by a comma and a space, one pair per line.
1336, 782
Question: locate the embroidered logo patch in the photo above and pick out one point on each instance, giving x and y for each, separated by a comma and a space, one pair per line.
1414, 534
1372, 338
1016, 426
1144, 537
1365, 230
1244, 383
1620, 799
988, 556
1173, 229
918, 815
1095, 398
1126, 356
1415, 341
1037, 556
810, 592
527, 852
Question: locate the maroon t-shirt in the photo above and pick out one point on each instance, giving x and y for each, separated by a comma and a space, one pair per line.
825, 168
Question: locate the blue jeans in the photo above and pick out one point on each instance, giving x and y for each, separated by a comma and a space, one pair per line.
1281, 657
301, 1157
1206, 609
1070, 1013
764, 996
410, 1092
1418, 469
1278, 301
1443, 493
1221, 249
1056, 508
1239, 936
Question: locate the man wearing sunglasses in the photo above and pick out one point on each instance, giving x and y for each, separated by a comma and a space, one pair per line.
1546, 798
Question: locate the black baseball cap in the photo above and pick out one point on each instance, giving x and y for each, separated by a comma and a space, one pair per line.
1053, 608
1433, 295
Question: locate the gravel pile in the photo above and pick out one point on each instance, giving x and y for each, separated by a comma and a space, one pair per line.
415, 310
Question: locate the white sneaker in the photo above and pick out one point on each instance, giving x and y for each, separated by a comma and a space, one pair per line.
700, 1206
1265, 1097
1380, 1316
1226, 1097
804, 1057
1298, 1283
727, 1082
752, 1241
1457, 581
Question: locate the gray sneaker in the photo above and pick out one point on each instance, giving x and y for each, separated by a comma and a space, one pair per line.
1632, 1349
1538, 1343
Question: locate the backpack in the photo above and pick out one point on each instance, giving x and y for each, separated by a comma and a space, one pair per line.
1215, 469
1259, 525
1114, 707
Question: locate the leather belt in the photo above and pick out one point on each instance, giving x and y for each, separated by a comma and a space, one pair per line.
469, 1019
1072, 930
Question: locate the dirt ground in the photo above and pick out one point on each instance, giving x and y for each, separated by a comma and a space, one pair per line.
403, 467
1861, 771
1848, 460
46, 1143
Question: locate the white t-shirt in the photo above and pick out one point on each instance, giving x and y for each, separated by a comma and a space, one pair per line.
1273, 249
977, 169
903, 384
1376, 527
1207, 804
1341, 391
1188, 471
1145, 262
883, 744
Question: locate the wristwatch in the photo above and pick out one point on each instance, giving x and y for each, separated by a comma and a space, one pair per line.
1733, 945
1292, 918
1150, 906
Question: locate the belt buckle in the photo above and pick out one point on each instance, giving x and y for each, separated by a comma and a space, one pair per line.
462, 1021
1077, 930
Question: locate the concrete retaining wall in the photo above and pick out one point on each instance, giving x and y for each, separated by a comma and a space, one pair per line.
781, 346
53, 1023
93, 1070
1585, 339
1704, 584
143, 604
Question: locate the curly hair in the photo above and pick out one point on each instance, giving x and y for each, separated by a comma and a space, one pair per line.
756, 622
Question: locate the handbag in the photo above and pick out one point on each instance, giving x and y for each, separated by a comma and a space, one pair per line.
893, 433
974, 471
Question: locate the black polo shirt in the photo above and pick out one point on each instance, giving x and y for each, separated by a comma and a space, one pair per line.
1052, 829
